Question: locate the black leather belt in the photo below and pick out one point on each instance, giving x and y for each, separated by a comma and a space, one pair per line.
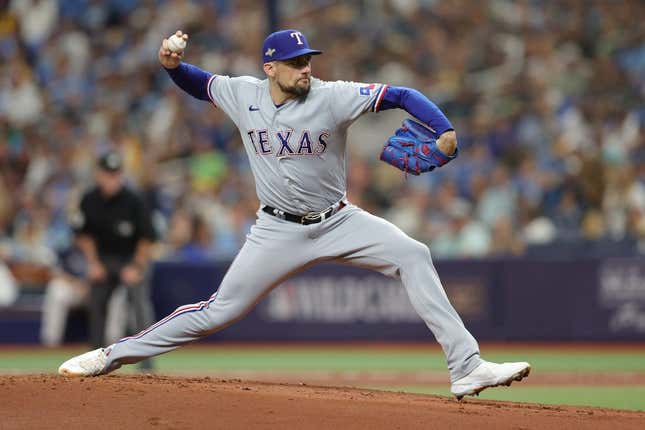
312, 218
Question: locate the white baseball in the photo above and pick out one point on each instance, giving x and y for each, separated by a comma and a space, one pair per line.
176, 44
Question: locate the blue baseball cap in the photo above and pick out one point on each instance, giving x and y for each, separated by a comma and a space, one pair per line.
285, 44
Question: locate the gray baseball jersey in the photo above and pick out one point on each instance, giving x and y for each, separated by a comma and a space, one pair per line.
296, 150
297, 155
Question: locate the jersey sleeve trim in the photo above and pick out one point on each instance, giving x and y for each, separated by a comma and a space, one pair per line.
376, 105
208, 90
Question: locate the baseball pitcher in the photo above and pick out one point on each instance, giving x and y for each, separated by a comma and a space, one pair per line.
294, 130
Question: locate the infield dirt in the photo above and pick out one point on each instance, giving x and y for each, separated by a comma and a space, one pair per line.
135, 402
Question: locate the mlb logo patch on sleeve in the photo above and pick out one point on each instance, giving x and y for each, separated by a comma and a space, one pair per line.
366, 91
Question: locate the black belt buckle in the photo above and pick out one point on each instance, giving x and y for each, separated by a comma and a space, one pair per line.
314, 218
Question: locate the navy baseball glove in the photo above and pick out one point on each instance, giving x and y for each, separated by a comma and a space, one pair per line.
413, 149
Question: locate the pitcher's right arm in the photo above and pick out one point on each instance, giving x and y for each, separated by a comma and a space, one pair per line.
189, 78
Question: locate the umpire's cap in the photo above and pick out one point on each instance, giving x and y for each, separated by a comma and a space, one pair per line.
286, 44
111, 162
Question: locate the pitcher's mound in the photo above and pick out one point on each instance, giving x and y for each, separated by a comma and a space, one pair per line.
137, 402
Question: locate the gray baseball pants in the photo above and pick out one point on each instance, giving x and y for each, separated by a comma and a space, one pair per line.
276, 249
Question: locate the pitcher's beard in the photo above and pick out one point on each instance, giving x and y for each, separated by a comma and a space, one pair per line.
298, 91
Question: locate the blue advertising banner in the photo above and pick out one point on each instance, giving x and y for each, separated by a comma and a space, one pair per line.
512, 299
517, 299
335, 302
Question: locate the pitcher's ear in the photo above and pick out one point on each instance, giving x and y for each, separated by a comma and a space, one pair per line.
269, 68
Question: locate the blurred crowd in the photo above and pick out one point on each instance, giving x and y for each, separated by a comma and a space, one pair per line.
546, 98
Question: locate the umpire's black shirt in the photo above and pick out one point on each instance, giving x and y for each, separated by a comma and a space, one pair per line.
116, 223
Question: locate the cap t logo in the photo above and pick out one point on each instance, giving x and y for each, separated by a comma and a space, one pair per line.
297, 35
269, 52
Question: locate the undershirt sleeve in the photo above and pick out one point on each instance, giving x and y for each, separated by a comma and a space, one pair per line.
417, 105
191, 79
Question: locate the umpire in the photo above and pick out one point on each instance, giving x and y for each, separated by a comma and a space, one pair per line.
115, 233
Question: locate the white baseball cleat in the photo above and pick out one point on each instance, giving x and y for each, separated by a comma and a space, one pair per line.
89, 364
487, 375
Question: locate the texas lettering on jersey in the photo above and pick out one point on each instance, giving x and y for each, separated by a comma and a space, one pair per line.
297, 151
284, 142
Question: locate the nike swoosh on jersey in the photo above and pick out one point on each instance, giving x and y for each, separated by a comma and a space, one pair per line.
253, 108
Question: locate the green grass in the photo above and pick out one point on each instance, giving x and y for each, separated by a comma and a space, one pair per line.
302, 360
46, 361
335, 358
283, 359
576, 361
392, 359
340, 359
